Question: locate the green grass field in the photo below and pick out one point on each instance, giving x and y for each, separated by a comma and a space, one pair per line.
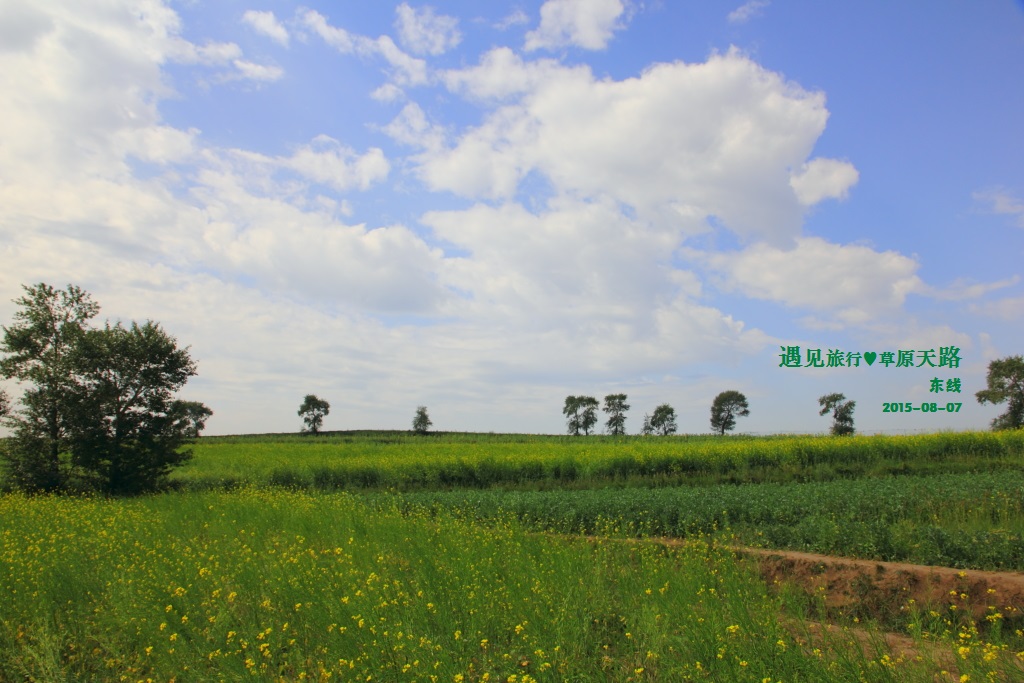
404, 462
429, 566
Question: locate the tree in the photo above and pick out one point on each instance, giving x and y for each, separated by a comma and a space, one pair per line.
842, 413
663, 421
191, 415
615, 407
581, 412
40, 348
1005, 384
647, 429
99, 410
724, 410
421, 423
127, 432
312, 411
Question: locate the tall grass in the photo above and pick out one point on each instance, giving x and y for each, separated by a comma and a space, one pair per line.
405, 462
288, 586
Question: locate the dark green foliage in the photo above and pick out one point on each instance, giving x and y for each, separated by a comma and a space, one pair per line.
1006, 385
421, 423
842, 413
99, 411
40, 348
615, 407
724, 410
663, 421
581, 414
128, 431
955, 520
312, 411
192, 415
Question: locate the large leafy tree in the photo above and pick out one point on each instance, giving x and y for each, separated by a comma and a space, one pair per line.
842, 413
40, 347
129, 429
663, 421
313, 411
615, 407
1006, 385
725, 408
580, 413
99, 409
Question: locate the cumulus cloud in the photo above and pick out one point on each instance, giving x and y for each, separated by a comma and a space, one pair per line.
406, 70
265, 23
820, 179
851, 282
679, 143
423, 32
411, 127
589, 24
501, 74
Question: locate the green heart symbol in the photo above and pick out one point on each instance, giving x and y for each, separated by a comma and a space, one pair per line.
869, 357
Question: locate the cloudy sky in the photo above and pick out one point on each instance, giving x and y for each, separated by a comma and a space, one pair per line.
485, 207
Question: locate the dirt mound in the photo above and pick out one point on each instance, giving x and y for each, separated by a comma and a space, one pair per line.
881, 590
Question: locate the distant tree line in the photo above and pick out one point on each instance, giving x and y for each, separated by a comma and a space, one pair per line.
581, 414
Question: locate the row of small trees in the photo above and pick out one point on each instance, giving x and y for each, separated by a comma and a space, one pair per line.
581, 414
99, 411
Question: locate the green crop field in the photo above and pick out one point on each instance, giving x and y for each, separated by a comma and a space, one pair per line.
461, 558
404, 462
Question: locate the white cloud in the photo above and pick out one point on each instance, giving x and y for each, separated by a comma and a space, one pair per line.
1001, 201
424, 32
328, 162
406, 70
962, 289
853, 283
22, 25
589, 24
747, 11
265, 23
501, 74
1010, 309
411, 127
516, 18
592, 288
389, 92
820, 179
680, 143
257, 72
211, 53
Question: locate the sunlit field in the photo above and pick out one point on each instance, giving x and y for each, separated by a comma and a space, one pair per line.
276, 585
459, 558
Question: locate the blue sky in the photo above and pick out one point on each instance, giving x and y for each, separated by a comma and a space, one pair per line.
485, 207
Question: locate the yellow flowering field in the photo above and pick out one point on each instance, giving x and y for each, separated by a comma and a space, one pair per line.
272, 585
